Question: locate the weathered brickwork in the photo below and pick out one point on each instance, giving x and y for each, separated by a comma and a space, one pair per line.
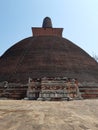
47, 32
47, 54
48, 89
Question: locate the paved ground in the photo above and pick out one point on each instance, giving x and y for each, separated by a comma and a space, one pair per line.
37, 115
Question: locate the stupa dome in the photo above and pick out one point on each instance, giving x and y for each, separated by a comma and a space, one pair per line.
46, 56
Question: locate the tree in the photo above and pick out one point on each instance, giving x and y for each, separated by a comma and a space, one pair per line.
95, 57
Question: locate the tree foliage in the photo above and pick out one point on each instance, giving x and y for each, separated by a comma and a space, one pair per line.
95, 57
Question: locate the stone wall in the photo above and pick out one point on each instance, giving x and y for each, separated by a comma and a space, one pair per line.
89, 90
49, 88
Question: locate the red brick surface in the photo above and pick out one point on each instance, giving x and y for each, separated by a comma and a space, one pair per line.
46, 56
47, 32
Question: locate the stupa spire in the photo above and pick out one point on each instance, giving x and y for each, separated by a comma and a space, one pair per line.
47, 23
47, 29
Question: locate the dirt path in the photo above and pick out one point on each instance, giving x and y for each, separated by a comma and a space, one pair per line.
37, 115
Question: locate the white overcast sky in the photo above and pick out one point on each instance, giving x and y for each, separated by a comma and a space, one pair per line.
79, 18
